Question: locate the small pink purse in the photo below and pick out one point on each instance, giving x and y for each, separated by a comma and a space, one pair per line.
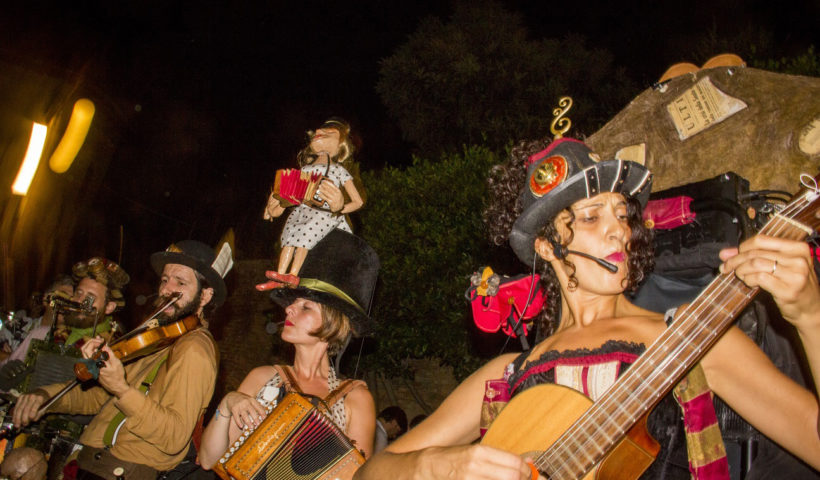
499, 302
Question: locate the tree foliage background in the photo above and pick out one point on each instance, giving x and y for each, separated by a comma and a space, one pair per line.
424, 221
479, 78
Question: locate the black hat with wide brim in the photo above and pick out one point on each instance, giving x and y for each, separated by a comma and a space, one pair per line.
560, 175
198, 256
340, 272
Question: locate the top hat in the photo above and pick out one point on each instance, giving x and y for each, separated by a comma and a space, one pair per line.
560, 175
200, 257
340, 272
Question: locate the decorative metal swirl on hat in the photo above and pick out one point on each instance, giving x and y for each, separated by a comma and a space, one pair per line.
560, 124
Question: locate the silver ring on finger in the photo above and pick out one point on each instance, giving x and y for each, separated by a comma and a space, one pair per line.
774, 268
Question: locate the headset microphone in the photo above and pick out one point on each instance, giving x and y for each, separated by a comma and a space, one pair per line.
561, 253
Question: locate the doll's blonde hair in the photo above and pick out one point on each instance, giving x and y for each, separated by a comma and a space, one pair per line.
346, 148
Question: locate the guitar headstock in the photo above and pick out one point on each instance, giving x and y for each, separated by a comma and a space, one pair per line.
805, 206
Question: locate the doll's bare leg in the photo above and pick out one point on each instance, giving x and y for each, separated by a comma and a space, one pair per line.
285, 256
298, 260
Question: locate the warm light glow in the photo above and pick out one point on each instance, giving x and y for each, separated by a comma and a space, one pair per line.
29, 166
74, 136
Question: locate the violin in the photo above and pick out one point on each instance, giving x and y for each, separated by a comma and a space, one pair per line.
146, 339
135, 345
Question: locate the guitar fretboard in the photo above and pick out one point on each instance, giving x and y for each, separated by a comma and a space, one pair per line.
695, 329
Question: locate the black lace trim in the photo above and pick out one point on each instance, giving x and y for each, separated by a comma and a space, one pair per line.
610, 346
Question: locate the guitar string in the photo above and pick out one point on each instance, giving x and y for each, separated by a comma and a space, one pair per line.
772, 228
723, 284
571, 436
696, 332
695, 311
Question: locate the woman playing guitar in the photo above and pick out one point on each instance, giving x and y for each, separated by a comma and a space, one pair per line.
573, 218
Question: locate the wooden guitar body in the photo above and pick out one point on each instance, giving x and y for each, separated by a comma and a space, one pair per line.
534, 419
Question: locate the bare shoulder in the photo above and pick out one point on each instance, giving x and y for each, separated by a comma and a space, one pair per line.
360, 397
646, 324
256, 378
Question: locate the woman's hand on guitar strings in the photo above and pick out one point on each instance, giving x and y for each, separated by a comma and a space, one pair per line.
473, 462
243, 409
783, 268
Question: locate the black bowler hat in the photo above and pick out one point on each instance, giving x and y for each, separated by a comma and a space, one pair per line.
203, 259
340, 272
560, 175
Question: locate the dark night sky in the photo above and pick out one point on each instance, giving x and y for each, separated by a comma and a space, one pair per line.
219, 96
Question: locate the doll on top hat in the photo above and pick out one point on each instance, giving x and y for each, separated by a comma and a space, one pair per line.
324, 209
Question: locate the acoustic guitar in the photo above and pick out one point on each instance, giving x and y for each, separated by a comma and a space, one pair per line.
570, 437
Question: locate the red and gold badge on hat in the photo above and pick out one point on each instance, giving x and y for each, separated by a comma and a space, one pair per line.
548, 174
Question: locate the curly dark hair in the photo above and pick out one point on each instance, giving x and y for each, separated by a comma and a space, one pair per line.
505, 183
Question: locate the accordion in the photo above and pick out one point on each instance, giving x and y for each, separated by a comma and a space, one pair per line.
294, 187
296, 441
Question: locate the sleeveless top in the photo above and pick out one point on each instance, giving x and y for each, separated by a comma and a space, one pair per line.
592, 372
270, 394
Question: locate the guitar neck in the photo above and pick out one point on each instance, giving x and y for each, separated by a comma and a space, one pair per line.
695, 330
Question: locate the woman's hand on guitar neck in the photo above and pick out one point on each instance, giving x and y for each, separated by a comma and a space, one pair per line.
785, 269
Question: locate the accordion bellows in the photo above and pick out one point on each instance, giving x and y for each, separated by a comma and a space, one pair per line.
295, 442
295, 187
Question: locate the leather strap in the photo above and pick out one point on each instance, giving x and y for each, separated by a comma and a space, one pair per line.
337, 394
343, 389
288, 378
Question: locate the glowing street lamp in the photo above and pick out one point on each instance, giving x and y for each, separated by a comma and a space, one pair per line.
74, 136
31, 160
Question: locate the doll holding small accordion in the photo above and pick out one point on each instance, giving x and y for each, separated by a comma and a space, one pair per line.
314, 190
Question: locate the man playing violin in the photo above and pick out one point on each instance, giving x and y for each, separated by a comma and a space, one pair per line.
146, 410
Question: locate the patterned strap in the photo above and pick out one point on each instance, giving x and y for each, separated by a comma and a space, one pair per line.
704, 444
110, 435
